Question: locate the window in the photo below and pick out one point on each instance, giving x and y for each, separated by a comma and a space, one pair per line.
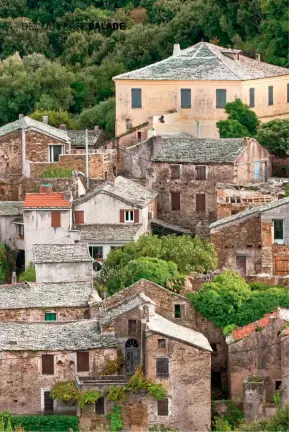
139, 135
178, 311
55, 219
185, 98
214, 347
175, 172
251, 97
287, 93
200, 202
21, 231
54, 152
221, 98
136, 98
48, 402
175, 200
270, 95
105, 175
162, 367
129, 216
256, 170
47, 364
96, 252
161, 343
50, 316
201, 172
163, 407
83, 361
278, 230
99, 406
79, 217
278, 384
132, 327
233, 212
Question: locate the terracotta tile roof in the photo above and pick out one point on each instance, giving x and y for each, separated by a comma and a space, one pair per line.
46, 200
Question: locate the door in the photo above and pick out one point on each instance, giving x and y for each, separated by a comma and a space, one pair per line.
282, 266
241, 264
48, 403
132, 356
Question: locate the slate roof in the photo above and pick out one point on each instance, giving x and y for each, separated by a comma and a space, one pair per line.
109, 233
250, 212
46, 200
161, 325
78, 137
81, 335
11, 208
182, 147
61, 253
124, 307
29, 123
123, 189
38, 295
205, 62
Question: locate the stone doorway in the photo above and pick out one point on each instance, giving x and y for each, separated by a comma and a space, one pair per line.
132, 356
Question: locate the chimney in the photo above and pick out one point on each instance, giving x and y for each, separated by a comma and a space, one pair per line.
246, 140
45, 119
258, 57
96, 128
21, 116
45, 189
63, 126
177, 49
67, 195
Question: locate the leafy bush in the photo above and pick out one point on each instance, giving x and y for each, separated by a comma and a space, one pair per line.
221, 425
115, 420
65, 391
28, 274
156, 391
43, 423
55, 118
278, 423
274, 135
5, 264
102, 115
116, 393
55, 171
89, 397
241, 121
234, 415
232, 129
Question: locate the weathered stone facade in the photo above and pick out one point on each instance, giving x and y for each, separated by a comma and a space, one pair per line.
38, 314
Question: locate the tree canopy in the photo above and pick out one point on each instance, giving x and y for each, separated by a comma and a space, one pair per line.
274, 135
241, 121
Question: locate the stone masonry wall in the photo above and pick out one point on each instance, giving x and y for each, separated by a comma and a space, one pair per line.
37, 146
10, 153
38, 314
285, 368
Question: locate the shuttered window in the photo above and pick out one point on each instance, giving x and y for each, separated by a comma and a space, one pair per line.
47, 364
221, 98
99, 406
121, 216
79, 217
278, 225
185, 98
136, 98
175, 200
136, 216
200, 202
83, 361
178, 311
175, 172
163, 407
55, 219
287, 93
50, 316
201, 172
161, 343
270, 95
162, 367
251, 97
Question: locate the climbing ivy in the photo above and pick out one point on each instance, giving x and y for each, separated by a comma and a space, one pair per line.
115, 419
89, 397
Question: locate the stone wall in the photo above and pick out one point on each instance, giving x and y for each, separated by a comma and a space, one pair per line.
10, 153
285, 367
38, 314
254, 400
37, 146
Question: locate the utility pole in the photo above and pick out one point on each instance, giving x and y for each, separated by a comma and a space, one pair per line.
86, 159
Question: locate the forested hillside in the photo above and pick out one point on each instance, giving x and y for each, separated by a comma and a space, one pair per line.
51, 59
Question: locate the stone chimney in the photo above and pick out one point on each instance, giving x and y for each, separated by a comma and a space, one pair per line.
67, 195
63, 126
96, 128
177, 49
21, 116
246, 140
258, 57
45, 119
45, 189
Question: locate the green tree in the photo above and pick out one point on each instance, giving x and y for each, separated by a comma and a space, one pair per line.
232, 129
55, 118
274, 135
102, 115
28, 274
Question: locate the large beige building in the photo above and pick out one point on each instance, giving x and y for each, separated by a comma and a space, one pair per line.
190, 89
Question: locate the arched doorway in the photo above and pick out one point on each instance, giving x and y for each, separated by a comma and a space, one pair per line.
132, 356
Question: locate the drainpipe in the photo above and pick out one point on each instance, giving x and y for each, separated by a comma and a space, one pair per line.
86, 159
23, 142
198, 129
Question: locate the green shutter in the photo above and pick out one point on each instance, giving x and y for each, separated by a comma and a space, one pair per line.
270, 95
136, 98
221, 98
50, 316
252, 97
185, 98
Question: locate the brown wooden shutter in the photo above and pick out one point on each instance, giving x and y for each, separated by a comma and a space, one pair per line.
83, 361
163, 407
79, 217
200, 172
200, 202
136, 216
55, 219
48, 364
121, 216
175, 200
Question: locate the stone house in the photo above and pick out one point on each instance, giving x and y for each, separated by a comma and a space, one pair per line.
113, 214
185, 170
11, 224
56, 263
188, 90
33, 302
257, 350
254, 241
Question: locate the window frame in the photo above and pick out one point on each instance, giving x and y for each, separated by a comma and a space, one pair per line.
160, 402
50, 313
79, 215
53, 364
98, 247
220, 100
178, 307
279, 240
270, 95
162, 343
51, 152
186, 94
204, 208
179, 201
175, 171
162, 363
197, 169
133, 104
55, 213
128, 213
78, 369
43, 391
252, 97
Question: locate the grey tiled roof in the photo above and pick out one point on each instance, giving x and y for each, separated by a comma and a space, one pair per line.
39, 295
58, 253
125, 306
205, 62
249, 212
109, 233
78, 137
29, 123
11, 208
81, 335
125, 190
186, 148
